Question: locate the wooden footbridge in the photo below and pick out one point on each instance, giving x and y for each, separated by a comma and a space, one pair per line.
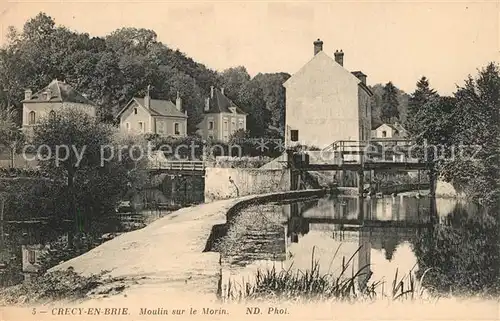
359, 157
179, 167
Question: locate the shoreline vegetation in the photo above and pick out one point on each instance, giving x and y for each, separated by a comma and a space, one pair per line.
88, 193
69, 282
311, 285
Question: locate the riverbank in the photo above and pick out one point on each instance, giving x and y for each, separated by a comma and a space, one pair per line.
163, 267
166, 258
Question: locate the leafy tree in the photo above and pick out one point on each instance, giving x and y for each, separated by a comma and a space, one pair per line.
110, 70
477, 125
377, 104
390, 103
84, 155
422, 94
10, 134
234, 81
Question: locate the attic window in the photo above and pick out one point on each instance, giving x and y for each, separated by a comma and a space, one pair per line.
135, 111
32, 118
384, 133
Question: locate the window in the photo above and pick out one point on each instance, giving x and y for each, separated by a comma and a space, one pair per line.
233, 125
135, 111
127, 125
240, 124
225, 125
294, 135
160, 126
31, 256
384, 133
210, 125
176, 129
141, 126
32, 118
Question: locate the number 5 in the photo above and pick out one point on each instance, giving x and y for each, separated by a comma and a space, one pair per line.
33, 311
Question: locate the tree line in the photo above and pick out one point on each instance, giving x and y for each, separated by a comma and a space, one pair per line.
113, 69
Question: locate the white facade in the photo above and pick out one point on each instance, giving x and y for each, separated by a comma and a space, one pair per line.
325, 103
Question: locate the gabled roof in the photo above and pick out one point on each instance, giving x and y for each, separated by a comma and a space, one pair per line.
59, 92
323, 55
388, 125
219, 103
156, 108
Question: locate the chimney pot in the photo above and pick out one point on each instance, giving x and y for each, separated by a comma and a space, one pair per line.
27, 94
318, 46
339, 57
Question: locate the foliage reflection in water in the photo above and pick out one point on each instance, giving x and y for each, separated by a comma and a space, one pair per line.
388, 243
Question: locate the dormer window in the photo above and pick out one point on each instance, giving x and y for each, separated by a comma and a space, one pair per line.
384, 133
32, 118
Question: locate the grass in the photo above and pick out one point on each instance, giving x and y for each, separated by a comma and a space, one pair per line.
311, 285
57, 285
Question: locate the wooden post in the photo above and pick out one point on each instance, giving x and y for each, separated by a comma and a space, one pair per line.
418, 180
1, 219
432, 195
360, 182
172, 194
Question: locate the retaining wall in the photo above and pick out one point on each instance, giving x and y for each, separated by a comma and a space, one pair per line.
225, 183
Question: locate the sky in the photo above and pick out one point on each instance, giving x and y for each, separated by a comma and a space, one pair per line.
388, 41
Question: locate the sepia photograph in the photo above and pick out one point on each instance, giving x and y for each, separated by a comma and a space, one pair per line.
305, 160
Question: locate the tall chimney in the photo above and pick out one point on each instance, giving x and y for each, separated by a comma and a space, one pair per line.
207, 104
211, 91
318, 46
27, 94
147, 98
339, 57
178, 102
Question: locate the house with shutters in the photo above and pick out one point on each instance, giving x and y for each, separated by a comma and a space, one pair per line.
49, 100
154, 116
326, 103
221, 117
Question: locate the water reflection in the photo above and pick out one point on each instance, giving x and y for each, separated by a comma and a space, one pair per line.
381, 233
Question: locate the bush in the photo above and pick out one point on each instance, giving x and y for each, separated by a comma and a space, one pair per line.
52, 286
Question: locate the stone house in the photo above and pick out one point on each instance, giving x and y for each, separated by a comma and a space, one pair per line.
54, 97
153, 116
221, 117
326, 103
389, 131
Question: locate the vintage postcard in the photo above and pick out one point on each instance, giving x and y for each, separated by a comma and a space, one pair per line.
305, 160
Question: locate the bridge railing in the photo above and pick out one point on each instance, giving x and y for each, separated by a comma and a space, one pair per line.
181, 165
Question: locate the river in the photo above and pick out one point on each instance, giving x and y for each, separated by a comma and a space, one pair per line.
384, 236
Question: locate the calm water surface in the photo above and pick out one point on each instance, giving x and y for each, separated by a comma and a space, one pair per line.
381, 235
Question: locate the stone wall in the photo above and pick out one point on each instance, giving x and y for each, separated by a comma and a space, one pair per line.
224, 183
